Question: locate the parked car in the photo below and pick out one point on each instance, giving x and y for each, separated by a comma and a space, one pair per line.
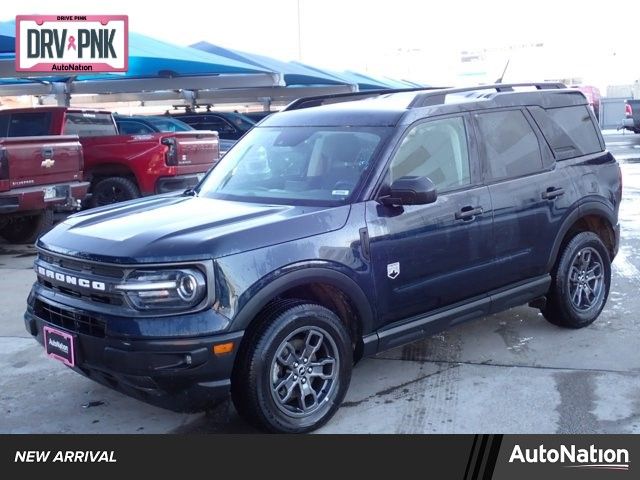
333, 232
229, 125
143, 125
593, 97
124, 167
38, 177
632, 116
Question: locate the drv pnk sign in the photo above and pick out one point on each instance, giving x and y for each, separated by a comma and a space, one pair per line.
72, 43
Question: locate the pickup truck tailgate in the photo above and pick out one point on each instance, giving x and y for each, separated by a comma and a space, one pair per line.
44, 160
196, 148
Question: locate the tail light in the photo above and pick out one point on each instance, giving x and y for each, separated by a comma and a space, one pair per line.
628, 111
4, 164
171, 155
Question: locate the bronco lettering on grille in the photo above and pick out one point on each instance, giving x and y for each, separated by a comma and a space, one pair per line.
71, 280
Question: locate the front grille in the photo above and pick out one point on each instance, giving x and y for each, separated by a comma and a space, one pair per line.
70, 320
82, 266
106, 298
108, 274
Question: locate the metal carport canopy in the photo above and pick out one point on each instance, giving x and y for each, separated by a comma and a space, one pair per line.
153, 65
293, 74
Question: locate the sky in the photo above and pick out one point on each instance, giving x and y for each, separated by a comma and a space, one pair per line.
416, 40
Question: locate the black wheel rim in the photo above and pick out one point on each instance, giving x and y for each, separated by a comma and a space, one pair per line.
586, 279
111, 194
304, 371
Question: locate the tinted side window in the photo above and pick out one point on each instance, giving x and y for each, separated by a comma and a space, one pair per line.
33, 124
436, 149
569, 130
510, 144
4, 125
89, 124
216, 123
128, 127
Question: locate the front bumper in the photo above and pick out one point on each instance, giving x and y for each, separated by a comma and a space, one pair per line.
178, 182
67, 196
179, 373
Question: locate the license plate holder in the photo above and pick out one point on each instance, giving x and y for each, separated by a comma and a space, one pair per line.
50, 192
60, 345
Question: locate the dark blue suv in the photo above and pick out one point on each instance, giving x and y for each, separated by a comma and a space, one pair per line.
341, 227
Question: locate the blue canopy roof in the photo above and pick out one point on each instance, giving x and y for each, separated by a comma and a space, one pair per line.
364, 82
7, 37
294, 74
149, 57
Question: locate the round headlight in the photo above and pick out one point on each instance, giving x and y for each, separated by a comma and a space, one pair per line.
187, 287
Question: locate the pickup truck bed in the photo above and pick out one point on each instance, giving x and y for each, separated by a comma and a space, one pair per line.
123, 167
37, 176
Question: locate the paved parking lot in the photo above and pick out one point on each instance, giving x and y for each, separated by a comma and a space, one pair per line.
512, 372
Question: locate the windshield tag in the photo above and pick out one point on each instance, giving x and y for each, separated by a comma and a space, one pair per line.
341, 193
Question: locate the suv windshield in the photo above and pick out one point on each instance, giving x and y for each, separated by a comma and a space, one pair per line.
298, 165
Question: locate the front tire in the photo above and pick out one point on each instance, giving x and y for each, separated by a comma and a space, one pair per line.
581, 283
295, 369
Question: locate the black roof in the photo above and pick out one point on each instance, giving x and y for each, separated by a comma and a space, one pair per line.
388, 107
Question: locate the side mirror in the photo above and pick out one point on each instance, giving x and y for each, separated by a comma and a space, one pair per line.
410, 191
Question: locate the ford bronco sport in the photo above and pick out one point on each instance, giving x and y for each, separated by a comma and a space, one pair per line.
341, 227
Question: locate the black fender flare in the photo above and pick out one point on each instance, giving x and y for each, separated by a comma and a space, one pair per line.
301, 276
592, 207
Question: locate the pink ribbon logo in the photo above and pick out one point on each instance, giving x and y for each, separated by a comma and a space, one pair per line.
72, 43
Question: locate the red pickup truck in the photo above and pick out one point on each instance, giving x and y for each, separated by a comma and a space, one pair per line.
123, 167
38, 175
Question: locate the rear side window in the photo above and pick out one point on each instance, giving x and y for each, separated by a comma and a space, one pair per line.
510, 145
128, 127
4, 125
215, 123
89, 124
32, 124
569, 130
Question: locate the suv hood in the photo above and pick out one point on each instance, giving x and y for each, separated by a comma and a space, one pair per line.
177, 228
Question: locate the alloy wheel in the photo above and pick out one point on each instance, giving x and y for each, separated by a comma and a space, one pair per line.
304, 371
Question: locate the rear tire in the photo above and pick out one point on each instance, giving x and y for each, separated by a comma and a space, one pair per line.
581, 283
294, 369
113, 190
27, 229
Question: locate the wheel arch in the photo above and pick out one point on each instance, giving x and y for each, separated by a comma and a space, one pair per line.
592, 216
111, 169
327, 287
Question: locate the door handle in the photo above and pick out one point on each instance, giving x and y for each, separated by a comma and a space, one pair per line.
468, 213
552, 192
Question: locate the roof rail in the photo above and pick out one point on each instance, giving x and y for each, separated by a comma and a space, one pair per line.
438, 97
308, 102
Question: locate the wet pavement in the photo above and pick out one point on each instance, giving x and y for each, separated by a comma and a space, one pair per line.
512, 372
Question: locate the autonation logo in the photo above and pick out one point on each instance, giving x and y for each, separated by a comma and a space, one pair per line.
589, 458
72, 43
